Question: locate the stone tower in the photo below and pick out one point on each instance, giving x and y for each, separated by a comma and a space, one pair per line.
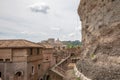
101, 39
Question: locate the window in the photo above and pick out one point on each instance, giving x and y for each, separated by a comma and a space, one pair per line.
40, 51
37, 51
31, 51
46, 58
1, 60
7, 60
0, 74
39, 66
18, 74
113, 0
32, 69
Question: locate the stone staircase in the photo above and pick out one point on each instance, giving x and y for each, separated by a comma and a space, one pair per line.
59, 70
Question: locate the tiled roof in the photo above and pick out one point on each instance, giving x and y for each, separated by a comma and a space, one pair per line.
46, 45
17, 43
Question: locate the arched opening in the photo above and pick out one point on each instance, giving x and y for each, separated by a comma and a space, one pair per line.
18, 74
48, 77
0, 75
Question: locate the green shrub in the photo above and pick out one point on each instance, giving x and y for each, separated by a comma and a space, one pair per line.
78, 79
92, 55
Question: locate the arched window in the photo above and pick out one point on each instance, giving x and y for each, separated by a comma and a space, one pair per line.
19, 73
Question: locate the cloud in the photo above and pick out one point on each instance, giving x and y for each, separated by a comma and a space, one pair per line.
40, 7
33, 33
71, 34
55, 28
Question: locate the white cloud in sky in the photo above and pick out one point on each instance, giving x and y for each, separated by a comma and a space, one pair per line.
33, 33
55, 28
40, 7
72, 34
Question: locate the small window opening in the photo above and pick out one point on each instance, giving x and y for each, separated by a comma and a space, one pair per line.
1, 60
18, 74
72, 54
40, 51
37, 51
113, 0
39, 66
32, 69
7, 60
46, 58
31, 51
0, 75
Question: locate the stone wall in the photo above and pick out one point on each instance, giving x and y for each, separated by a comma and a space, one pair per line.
55, 76
9, 70
5, 54
78, 74
100, 38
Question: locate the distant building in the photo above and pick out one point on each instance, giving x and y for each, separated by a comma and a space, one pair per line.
20, 60
57, 44
51, 40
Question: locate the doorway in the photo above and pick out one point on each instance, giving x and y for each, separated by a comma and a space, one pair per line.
48, 77
0, 75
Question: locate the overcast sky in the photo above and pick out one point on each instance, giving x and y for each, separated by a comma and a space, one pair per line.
38, 20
